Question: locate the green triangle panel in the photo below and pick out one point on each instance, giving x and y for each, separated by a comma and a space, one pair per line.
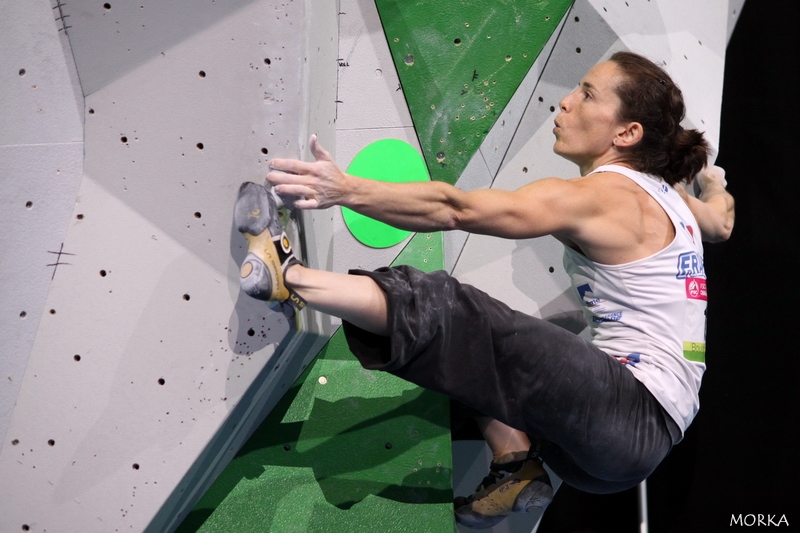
460, 62
346, 449
424, 251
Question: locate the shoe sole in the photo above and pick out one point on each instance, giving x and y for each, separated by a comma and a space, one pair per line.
253, 218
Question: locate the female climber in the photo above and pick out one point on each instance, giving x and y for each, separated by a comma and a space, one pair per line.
601, 413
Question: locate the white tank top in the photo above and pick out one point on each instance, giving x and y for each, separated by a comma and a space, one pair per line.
650, 313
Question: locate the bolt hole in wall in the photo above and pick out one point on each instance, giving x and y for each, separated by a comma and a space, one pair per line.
22, 72
103, 273
123, 139
187, 297
107, 6
199, 146
197, 214
23, 314
29, 205
77, 357
267, 61
51, 442
202, 73
161, 381
135, 466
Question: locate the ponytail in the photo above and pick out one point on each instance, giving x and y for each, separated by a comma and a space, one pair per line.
688, 154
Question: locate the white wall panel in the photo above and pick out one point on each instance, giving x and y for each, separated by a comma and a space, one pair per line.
41, 152
153, 367
40, 101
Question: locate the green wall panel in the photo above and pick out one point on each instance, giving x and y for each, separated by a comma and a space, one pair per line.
459, 62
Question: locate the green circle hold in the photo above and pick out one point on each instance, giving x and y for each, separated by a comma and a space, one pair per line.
388, 160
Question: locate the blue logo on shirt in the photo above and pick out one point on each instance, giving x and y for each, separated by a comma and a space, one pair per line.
690, 265
611, 317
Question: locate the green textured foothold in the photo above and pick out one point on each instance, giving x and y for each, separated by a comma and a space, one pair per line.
460, 63
371, 453
388, 160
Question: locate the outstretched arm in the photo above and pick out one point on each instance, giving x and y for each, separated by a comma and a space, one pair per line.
540, 208
714, 207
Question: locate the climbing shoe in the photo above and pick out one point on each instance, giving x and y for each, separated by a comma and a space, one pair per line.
269, 254
511, 487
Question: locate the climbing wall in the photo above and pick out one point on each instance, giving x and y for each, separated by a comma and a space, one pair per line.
148, 368
133, 367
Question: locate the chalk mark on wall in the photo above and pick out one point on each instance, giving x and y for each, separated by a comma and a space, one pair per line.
61, 17
59, 253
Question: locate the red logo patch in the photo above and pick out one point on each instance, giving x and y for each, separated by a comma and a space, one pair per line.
696, 289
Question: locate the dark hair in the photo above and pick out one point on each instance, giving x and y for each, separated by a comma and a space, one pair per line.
651, 98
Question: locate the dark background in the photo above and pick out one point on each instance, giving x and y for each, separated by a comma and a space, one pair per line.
740, 456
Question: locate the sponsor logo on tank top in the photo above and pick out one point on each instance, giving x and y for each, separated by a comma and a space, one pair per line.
690, 265
595, 304
696, 289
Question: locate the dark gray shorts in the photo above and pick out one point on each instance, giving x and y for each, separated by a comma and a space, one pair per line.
600, 429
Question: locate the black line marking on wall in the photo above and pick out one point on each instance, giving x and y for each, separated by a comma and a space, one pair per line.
61, 18
58, 262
